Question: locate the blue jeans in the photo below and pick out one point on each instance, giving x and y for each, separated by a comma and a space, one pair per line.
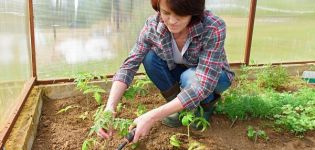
164, 79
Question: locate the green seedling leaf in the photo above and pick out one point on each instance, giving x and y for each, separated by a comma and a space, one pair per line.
97, 96
120, 106
66, 109
87, 144
262, 134
130, 93
200, 121
174, 141
251, 133
187, 117
141, 110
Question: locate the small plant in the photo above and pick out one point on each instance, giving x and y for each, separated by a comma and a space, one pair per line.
96, 90
63, 110
174, 141
297, 119
88, 143
82, 80
104, 119
119, 107
138, 88
141, 110
272, 77
255, 134
188, 118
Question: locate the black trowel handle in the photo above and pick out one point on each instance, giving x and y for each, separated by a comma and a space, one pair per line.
128, 139
130, 135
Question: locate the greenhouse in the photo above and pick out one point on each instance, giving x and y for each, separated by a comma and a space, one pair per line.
77, 74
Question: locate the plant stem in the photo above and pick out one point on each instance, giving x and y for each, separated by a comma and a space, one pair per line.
234, 122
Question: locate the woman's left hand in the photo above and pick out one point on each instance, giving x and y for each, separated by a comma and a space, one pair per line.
143, 124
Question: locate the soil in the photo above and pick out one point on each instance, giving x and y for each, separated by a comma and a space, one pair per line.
66, 131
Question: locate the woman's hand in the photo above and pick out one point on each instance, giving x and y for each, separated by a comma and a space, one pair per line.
107, 134
143, 124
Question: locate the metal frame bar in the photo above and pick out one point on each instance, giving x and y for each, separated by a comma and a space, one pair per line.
13, 117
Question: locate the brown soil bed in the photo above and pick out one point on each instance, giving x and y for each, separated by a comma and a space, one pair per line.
67, 131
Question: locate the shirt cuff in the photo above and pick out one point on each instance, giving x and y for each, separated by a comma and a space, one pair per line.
189, 99
124, 76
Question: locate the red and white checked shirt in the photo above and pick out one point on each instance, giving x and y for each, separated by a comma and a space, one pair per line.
205, 52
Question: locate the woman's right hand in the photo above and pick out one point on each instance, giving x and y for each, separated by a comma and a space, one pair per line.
107, 134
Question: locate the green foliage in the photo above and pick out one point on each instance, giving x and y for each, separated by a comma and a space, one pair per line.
142, 85
63, 110
248, 100
138, 88
297, 119
263, 105
122, 125
254, 134
130, 94
188, 117
88, 143
272, 77
119, 107
141, 110
104, 119
82, 80
174, 141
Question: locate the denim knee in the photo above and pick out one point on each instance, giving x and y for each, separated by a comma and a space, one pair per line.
149, 59
188, 77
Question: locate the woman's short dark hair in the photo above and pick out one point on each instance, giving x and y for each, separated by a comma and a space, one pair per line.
194, 8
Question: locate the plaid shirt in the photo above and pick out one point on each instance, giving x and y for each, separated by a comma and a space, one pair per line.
205, 52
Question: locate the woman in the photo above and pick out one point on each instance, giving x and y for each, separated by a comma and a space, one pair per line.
182, 50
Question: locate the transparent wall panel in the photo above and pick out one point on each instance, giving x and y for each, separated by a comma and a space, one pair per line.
235, 14
14, 55
86, 35
284, 31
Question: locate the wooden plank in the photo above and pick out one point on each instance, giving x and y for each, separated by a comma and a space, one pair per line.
4, 134
250, 29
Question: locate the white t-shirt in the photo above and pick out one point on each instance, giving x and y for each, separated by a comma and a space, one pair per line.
178, 55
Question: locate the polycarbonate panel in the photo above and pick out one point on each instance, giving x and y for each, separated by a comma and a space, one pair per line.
235, 14
284, 31
86, 35
14, 55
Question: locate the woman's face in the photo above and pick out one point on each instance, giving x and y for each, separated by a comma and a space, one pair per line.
175, 24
